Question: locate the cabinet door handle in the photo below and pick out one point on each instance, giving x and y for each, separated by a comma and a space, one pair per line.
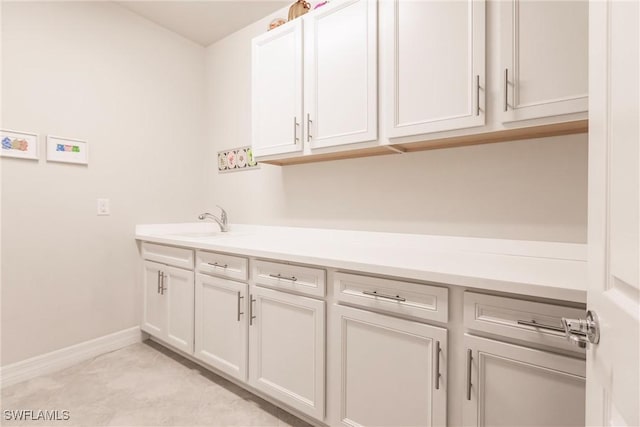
162, 287
540, 325
506, 89
159, 286
469, 359
240, 298
391, 297
438, 350
295, 130
215, 264
309, 121
477, 95
281, 277
251, 316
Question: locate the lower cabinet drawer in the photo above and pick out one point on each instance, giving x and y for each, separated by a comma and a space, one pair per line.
233, 267
305, 280
170, 255
412, 299
535, 322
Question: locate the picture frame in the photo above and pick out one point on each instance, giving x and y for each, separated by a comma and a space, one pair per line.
19, 145
237, 159
67, 150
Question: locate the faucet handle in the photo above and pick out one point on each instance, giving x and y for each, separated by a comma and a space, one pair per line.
223, 214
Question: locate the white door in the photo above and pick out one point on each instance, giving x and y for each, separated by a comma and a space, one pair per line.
154, 316
392, 371
286, 342
435, 70
510, 385
276, 92
544, 58
613, 374
221, 324
340, 97
178, 291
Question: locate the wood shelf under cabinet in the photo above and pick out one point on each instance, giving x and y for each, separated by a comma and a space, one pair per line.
533, 132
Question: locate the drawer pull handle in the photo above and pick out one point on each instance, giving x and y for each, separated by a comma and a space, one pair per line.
159, 285
281, 277
162, 287
391, 297
438, 350
469, 359
540, 325
506, 89
215, 264
251, 316
240, 298
477, 95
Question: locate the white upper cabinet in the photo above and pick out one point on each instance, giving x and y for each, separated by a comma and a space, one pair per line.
544, 58
340, 43
434, 67
277, 91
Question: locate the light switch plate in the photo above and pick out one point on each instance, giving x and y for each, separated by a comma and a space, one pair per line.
103, 207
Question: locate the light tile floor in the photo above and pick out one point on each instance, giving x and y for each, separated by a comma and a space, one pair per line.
142, 385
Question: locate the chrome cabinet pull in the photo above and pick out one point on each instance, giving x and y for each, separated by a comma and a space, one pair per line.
251, 316
240, 298
159, 286
162, 287
438, 350
215, 264
309, 121
540, 325
295, 130
281, 277
391, 297
469, 359
506, 89
478, 95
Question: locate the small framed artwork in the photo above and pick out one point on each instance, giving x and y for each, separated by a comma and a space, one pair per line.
236, 159
67, 150
21, 145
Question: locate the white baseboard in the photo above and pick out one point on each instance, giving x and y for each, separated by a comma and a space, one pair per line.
68, 356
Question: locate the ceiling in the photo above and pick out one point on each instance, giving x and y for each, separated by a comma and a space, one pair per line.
204, 21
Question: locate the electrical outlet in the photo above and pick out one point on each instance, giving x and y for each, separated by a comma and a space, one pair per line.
103, 207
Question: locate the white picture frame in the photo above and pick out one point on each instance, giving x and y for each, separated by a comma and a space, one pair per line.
19, 145
67, 150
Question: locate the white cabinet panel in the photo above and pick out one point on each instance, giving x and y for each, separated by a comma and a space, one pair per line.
511, 385
286, 359
154, 318
391, 372
544, 55
435, 70
277, 91
178, 290
220, 324
341, 73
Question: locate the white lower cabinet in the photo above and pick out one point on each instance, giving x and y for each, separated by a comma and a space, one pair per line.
287, 342
221, 325
168, 304
510, 385
392, 371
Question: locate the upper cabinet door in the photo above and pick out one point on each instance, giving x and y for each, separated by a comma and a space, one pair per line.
544, 58
341, 73
277, 91
434, 65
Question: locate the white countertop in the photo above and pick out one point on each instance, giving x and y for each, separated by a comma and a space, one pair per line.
540, 269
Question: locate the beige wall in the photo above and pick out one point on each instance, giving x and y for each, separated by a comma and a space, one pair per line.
133, 90
519, 190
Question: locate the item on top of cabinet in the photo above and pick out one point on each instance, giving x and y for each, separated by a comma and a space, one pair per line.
299, 8
322, 3
276, 23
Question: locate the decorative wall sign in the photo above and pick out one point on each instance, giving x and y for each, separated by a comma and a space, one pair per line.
67, 150
20, 145
236, 159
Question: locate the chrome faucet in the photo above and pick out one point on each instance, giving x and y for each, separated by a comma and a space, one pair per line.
222, 221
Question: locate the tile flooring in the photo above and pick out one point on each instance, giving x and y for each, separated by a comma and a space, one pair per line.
142, 385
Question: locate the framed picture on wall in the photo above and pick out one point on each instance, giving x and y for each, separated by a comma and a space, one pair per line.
21, 145
67, 150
